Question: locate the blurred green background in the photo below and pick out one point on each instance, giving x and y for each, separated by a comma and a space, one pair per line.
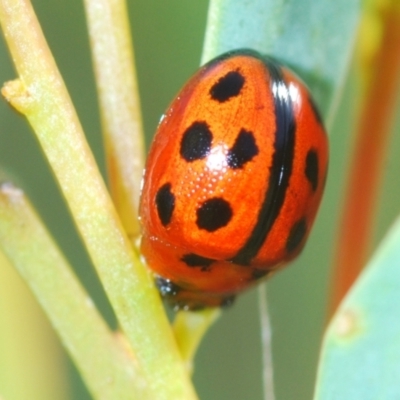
168, 42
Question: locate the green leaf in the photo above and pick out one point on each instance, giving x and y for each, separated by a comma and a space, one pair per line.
315, 38
361, 350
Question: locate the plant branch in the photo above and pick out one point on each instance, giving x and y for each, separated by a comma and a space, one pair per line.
113, 59
30, 351
104, 361
190, 328
41, 96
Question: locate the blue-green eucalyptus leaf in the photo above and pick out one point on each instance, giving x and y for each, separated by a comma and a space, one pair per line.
314, 37
360, 357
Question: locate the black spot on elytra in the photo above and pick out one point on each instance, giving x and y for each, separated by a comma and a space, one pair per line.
296, 235
312, 168
165, 203
213, 214
166, 287
228, 86
196, 141
243, 150
194, 260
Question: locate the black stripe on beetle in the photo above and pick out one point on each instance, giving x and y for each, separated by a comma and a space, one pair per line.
281, 166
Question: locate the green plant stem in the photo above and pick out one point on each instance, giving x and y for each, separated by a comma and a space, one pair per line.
41, 96
190, 328
113, 59
29, 349
104, 361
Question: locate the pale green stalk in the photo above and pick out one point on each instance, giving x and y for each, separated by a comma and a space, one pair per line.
113, 59
190, 328
41, 96
103, 359
32, 365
